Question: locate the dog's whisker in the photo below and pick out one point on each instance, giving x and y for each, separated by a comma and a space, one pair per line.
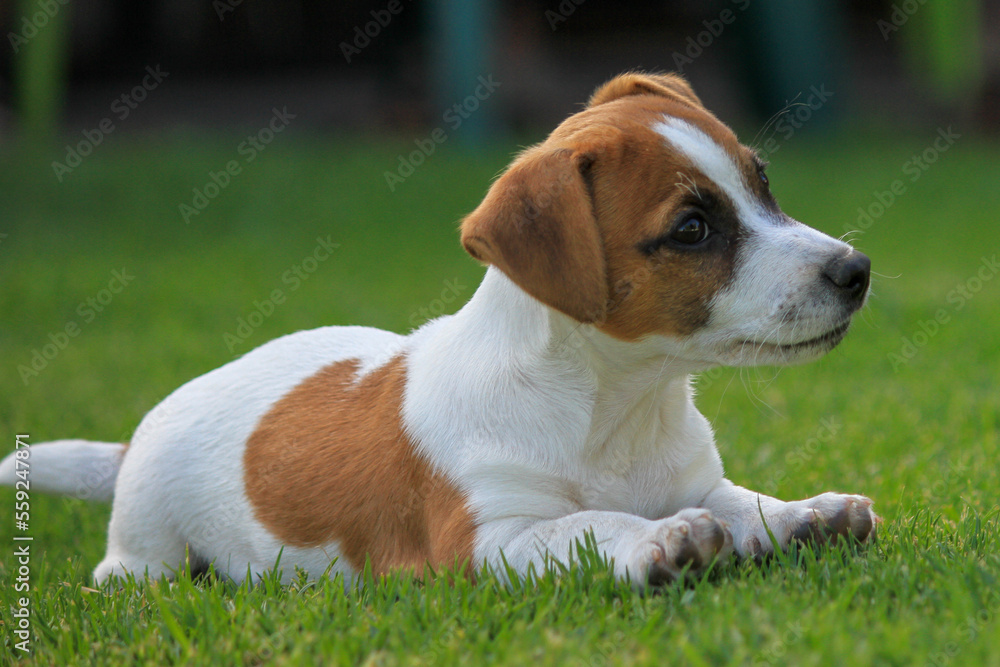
774, 119
696, 192
849, 236
686, 187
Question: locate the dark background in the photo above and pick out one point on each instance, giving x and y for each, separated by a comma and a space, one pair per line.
905, 64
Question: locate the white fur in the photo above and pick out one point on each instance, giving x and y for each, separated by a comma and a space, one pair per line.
77, 468
551, 428
566, 419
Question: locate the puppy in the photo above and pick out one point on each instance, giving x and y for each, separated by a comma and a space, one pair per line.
637, 245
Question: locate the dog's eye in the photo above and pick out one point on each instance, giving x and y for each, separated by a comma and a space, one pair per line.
691, 231
763, 176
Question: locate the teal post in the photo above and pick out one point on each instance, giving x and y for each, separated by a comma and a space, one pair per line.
461, 46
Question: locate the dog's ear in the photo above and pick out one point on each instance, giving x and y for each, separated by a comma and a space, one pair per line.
664, 85
537, 225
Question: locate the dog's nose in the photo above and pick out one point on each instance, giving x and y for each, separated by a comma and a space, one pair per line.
851, 274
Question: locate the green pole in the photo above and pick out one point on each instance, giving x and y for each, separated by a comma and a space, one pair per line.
945, 44
39, 42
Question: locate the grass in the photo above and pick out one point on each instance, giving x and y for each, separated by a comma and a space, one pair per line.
918, 435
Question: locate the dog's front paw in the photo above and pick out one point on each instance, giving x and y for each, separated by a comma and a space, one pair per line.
816, 520
833, 514
688, 542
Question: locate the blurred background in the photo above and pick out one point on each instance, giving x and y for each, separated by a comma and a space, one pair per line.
396, 65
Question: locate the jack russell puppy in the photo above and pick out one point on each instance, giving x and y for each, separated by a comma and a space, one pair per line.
635, 246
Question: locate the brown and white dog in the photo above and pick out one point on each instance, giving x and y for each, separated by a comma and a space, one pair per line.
635, 246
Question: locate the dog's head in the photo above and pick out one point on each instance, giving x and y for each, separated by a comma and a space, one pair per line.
644, 216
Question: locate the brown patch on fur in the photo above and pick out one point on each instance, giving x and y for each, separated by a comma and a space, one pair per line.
331, 462
638, 83
572, 211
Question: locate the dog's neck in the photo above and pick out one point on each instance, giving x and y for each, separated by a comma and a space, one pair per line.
629, 382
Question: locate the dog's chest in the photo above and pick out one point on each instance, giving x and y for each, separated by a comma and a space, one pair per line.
650, 472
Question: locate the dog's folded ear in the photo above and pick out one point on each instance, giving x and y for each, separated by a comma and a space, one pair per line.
636, 83
537, 225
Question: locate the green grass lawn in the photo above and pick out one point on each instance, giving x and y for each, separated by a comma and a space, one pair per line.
912, 396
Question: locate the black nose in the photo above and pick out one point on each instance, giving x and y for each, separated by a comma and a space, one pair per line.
850, 274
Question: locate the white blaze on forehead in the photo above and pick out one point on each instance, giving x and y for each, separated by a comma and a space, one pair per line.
712, 160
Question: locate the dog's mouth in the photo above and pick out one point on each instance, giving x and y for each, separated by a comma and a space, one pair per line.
828, 340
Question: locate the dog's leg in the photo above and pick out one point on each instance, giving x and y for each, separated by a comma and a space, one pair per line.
140, 546
648, 552
118, 564
813, 520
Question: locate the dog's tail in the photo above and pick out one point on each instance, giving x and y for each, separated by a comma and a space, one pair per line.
77, 468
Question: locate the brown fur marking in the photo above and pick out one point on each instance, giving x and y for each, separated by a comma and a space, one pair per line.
330, 462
